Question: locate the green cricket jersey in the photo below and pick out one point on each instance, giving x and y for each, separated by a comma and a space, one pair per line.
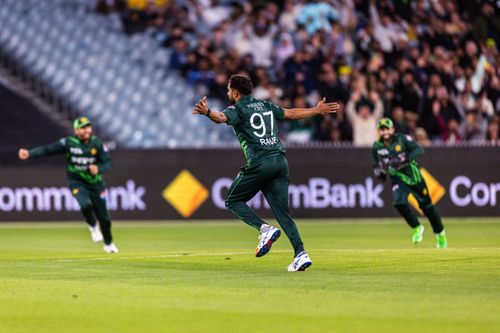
400, 144
79, 157
255, 124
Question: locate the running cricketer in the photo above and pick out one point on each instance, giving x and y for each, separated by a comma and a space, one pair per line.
86, 160
394, 155
255, 124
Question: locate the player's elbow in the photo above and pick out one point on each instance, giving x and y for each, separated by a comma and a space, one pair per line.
289, 114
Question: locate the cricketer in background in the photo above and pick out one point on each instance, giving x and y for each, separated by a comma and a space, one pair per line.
394, 155
86, 160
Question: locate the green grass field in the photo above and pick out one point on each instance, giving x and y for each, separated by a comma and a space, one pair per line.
203, 277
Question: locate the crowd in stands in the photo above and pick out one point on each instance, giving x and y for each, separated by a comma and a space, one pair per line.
432, 66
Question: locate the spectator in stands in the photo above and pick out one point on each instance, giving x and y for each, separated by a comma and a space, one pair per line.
284, 50
398, 118
317, 15
421, 137
386, 32
451, 133
487, 25
407, 51
362, 119
474, 126
329, 85
438, 113
493, 136
212, 12
179, 57
408, 92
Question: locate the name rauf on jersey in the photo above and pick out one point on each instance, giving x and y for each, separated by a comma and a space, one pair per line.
268, 141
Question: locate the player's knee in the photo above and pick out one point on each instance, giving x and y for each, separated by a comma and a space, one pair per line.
399, 204
86, 206
229, 203
424, 205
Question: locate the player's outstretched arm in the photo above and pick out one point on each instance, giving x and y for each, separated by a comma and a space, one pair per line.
322, 108
202, 108
58, 147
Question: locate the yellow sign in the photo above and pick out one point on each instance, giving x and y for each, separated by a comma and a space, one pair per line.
185, 193
436, 190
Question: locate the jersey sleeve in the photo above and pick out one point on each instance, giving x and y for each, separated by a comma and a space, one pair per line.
58, 147
413, 149
278, 111
233, 116
374, 155
103, 159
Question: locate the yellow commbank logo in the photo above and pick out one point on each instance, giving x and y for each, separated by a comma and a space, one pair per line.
436, 190
398, 148
185, 193
93, 151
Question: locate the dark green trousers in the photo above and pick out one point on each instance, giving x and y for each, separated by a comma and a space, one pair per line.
401, 191
93, 204
269, 175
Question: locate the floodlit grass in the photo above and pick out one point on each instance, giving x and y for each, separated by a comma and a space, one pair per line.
203, 277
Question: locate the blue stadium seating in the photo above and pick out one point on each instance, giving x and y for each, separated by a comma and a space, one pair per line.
84, 60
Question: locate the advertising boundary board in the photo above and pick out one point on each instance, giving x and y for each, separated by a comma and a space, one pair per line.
191, 184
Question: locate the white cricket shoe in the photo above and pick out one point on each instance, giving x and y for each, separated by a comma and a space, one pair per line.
268, 235
300, 262
95, 233
111, 248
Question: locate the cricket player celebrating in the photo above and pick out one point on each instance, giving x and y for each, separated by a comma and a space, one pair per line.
254, 122
86, 160
394, 156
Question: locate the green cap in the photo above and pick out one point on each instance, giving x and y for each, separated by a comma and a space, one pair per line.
81, 122
385, 122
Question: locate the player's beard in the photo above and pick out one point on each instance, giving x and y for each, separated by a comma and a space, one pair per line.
85, 136
387, 137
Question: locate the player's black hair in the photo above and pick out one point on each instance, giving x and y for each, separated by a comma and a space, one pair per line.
241, 83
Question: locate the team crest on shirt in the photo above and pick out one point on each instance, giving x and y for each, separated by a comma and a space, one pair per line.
409, 138
398, 148
93, 151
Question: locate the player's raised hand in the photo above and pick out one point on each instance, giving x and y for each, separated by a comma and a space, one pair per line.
326, 108
201, 107
93, 169
23, 154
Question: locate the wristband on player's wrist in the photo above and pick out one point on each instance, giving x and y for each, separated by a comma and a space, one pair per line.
208, 113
